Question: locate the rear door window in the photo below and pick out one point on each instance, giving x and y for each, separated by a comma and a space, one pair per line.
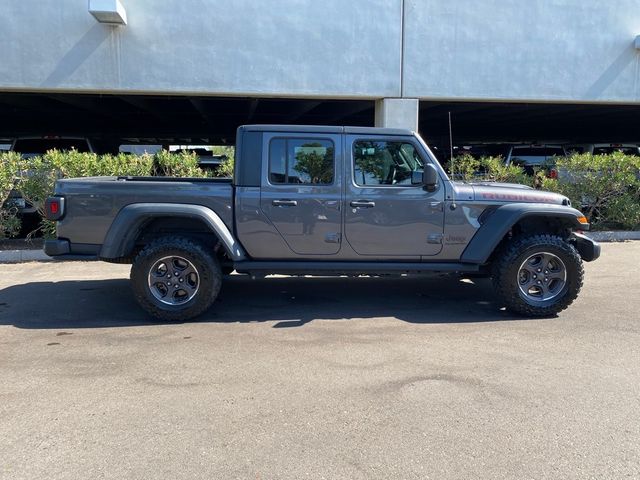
301, 161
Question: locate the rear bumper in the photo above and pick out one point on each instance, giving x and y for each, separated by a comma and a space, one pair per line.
589, 249
55, 248
62, 249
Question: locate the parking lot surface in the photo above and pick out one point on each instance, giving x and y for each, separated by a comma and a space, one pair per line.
318, 378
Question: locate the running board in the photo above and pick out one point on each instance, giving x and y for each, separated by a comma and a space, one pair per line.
351, 268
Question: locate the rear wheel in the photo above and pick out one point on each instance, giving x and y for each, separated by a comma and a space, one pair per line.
175, 278
538, 275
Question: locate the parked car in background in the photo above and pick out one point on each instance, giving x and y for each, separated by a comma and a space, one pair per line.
32, 146
480, 150
206, 159
605, 148
535, 157
139, 149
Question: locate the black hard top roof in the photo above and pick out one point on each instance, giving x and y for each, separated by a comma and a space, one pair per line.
326, 129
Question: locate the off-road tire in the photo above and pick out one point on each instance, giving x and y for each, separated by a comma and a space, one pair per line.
506, 274
205, 264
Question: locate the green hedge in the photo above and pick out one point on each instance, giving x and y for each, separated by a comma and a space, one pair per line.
605, 187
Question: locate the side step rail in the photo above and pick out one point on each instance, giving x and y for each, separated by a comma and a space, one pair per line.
351, 268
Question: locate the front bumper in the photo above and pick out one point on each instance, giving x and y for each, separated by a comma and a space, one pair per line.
588, 249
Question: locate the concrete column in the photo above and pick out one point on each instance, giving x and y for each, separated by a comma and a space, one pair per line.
397, 113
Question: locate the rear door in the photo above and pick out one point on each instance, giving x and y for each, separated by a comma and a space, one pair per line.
301, 191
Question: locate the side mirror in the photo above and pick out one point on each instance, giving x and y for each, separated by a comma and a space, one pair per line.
430, 178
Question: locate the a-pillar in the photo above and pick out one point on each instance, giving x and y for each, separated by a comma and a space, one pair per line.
397, 113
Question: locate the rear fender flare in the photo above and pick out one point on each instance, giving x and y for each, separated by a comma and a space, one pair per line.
126, 227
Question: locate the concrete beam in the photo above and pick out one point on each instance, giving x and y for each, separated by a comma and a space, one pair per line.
397, 113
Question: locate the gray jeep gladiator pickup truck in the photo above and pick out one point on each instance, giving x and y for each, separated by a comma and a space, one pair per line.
323, 201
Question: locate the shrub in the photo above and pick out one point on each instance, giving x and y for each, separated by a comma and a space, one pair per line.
183, 164
9, 221
606, 187
228, 164
490, 169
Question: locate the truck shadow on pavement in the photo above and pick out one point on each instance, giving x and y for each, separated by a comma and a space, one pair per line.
286, 301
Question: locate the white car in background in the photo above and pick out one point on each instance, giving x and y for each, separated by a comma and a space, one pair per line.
535, 157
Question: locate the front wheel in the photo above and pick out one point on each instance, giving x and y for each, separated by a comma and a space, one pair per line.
538, 275
175, 278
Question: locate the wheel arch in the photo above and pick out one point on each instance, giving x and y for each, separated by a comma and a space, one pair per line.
134, 220
519, 219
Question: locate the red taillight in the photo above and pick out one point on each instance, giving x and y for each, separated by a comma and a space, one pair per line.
54, 208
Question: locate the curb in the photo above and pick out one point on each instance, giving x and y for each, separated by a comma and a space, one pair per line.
614, 236
19, 256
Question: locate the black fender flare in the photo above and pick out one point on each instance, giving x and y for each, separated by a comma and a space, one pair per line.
491, 233
121, 237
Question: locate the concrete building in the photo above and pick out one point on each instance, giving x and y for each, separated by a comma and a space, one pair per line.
209, 65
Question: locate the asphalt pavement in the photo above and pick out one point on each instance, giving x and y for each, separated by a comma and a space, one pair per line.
337, 378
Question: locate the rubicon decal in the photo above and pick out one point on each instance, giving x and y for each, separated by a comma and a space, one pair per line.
517, 197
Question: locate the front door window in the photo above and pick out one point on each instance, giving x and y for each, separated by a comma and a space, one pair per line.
385, 163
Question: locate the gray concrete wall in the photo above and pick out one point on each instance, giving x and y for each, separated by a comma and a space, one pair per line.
234, 47
550, 50
538, 50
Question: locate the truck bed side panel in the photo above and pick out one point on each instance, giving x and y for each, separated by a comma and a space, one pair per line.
93, 203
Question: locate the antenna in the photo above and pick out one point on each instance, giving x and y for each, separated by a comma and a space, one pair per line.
453, 172
451, 147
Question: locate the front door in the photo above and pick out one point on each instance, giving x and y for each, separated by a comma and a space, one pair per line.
386, 214
301, 193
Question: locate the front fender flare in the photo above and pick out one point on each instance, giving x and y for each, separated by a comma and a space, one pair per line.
491, 233
124, 230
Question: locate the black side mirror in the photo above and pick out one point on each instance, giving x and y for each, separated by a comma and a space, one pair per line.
430, 178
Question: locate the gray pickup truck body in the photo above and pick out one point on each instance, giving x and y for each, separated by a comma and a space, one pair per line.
339, 226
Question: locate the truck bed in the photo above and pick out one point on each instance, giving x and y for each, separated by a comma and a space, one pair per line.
93, 202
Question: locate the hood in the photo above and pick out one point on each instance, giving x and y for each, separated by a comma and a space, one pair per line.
514, 193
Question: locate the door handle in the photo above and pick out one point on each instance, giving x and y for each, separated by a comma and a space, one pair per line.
363, 204
284, 203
